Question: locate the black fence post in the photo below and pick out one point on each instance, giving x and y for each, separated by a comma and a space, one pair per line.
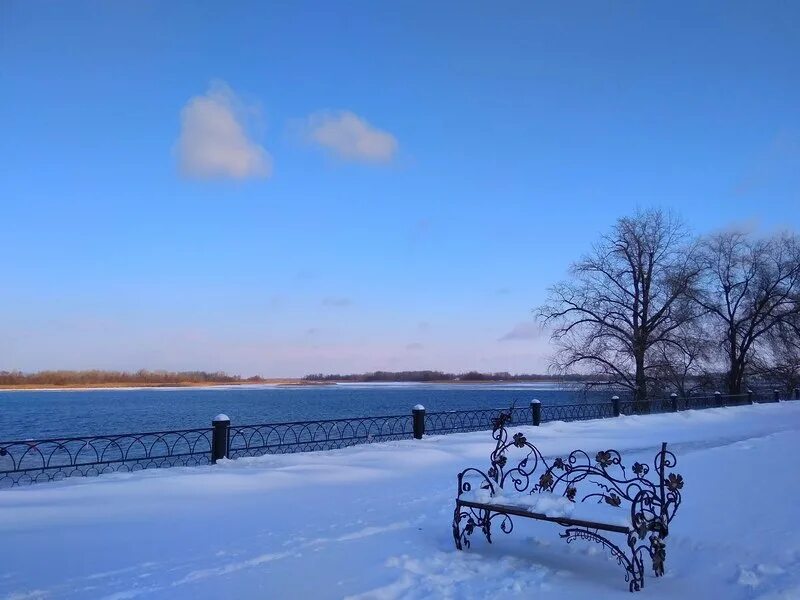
615, 403
797, 393
674, 400
536, 411
776, 395
418, 418
219, 437
717, 399
750, 396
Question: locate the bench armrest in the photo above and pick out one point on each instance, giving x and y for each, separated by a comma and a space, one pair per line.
473, 479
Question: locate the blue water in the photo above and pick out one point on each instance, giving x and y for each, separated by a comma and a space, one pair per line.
45, 414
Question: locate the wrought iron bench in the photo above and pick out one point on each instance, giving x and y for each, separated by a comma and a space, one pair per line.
611, 500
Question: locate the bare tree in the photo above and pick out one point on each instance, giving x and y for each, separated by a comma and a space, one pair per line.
750, 287
623, 300
777, 360
684, 362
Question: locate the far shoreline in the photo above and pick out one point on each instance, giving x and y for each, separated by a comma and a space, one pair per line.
282, 382
33, 387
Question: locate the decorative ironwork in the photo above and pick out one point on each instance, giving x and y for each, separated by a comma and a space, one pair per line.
577, 412
651, 503
633, 565
33, 461
470, 420
310, 436
691, 402
482, 419
713, 401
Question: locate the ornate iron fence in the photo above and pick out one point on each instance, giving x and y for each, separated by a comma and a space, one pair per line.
32, 461
577, 412
459, 421
309, 436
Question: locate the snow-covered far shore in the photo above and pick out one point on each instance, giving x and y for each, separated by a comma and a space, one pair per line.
373, 522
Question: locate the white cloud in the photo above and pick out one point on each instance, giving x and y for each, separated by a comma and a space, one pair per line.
214, 142
527, 330
336, 301
348, 136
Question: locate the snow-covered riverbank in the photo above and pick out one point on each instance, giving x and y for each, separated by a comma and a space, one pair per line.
374, 522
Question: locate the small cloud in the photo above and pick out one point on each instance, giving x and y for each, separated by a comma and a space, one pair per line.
305, 275
312, 331
276, 301
424, 326
775, 166
336, 302
414, 346
348, 136
420, 230
526, 330
750, 226
214, 142
503, 291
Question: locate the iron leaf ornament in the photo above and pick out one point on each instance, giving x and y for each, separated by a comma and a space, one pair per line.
674, 482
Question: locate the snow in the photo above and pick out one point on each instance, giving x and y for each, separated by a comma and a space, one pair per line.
545, 503
373, 522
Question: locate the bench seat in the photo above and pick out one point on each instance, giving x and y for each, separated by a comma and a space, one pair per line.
545, 506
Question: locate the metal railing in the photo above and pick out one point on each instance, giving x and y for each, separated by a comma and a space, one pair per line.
31, 461
309, 436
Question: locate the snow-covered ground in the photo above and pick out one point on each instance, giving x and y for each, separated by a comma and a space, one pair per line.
374, 522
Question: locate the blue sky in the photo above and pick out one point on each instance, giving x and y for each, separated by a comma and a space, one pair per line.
284, 188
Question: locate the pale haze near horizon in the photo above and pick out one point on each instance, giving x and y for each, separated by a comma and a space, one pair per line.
281, 190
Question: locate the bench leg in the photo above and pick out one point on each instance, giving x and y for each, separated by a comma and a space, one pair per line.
636, 568
658, 552
631, 562
467, 519
486, 525
461, 536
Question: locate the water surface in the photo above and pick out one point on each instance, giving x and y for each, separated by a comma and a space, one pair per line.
56, 413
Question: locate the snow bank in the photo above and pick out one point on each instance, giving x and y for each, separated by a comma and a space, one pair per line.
374, 522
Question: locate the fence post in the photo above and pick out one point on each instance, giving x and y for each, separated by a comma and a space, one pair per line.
717, 399
418, 418
776, 395
615, 402
797, 393
674, 399
536, 411
219, 437
750, 396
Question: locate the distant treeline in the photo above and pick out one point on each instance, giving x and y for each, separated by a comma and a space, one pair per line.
422, 376
96, 377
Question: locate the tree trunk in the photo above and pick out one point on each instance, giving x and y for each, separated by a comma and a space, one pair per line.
641, 385
734, 379
735, 370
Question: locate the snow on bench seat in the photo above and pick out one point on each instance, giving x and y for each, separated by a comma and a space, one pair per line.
553, 506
